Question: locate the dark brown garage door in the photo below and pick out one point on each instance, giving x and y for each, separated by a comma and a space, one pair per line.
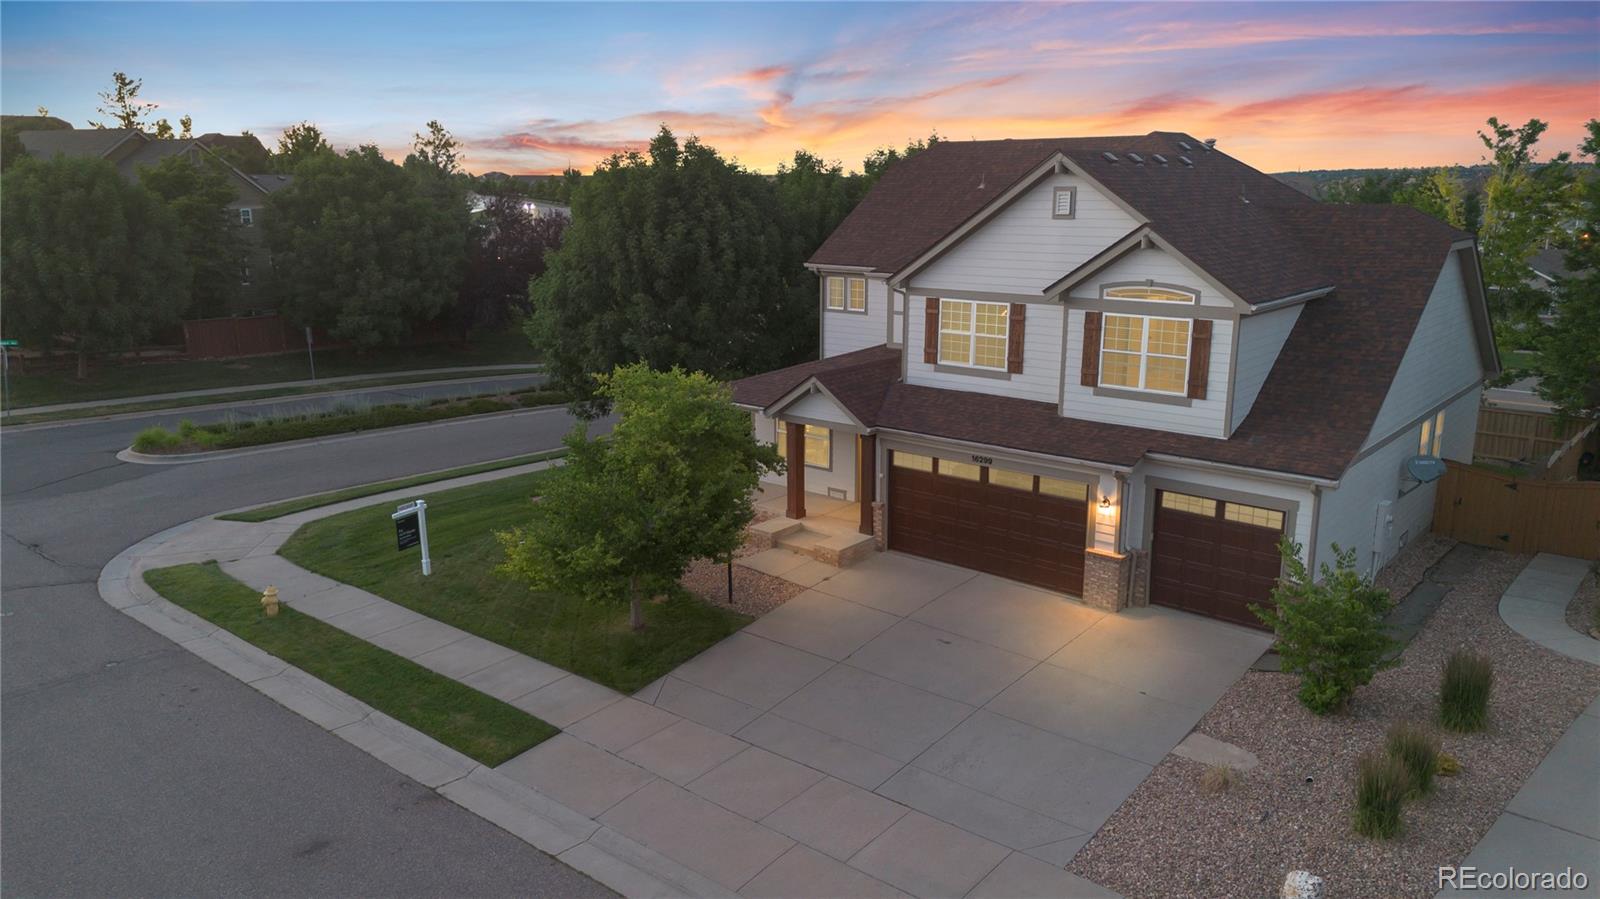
1015, 525
1214, 557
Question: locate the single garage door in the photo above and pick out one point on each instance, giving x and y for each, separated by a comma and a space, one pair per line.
1016, 525
1214, 557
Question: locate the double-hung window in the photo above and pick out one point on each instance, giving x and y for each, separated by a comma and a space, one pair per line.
819, 445
247, 216
847, 293
1145, 352
1432, 442
974, 334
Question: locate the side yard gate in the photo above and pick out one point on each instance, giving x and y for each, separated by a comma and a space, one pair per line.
1525, 516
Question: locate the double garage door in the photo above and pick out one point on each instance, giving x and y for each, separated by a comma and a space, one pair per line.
1016, 525
1214, 557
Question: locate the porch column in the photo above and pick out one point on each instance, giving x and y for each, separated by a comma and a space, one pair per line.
866, 478
795, 437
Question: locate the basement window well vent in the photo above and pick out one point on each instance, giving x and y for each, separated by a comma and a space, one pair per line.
837, 493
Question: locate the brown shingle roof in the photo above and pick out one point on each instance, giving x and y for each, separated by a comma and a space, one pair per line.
1311, 417
1220, 213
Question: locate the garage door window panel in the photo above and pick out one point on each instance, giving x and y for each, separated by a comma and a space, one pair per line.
1194, 505
966, 471
912, 461
1012, 480
1266, 518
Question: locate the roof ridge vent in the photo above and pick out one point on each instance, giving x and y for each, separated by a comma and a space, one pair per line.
1159, 158
1186, 161
1109, 156
1137, 159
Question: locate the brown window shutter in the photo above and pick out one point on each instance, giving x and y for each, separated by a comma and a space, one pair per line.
1019, 312
930, 333
1091, 350
1199, 359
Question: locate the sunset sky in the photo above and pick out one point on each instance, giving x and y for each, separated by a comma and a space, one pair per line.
536, 87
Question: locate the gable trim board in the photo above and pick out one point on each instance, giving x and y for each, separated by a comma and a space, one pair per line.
1478, 301
808, 388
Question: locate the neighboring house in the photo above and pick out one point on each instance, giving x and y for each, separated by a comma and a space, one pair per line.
131, 150
534, 207
1123, 368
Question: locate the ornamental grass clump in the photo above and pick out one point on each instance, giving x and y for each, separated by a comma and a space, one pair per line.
1417, 748
1381, 786
1329, 628
1464, 691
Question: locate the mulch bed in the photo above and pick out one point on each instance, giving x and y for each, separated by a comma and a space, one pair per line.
1293, 812
754, 593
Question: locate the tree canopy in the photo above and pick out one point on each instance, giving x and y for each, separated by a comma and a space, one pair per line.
87, 255
1569, 359
505, 251
297, 144
364, 248
676, 257
625, 515
197, 192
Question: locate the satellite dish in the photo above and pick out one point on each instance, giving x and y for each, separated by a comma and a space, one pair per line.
1425, 469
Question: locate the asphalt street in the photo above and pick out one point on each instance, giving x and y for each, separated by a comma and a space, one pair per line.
131, 767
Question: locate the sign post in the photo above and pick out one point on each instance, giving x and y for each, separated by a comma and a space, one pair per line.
411, 529
311, 353
5, 371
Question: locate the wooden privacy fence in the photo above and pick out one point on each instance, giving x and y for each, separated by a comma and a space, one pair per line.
1520, 515
256, 335
1536, 439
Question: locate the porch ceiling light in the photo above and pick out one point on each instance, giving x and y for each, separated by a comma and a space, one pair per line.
1105, 503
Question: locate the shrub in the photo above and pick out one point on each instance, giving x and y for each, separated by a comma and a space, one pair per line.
1464, 691
1219, 778
1448, 765
1417, 749
155, 439
1330, 630
1381, 787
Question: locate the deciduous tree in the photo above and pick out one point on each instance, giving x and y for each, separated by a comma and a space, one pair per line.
87, 256
1569, 359
1526, 205
362, 247
624, 517
297, 144
197, 191
505, 250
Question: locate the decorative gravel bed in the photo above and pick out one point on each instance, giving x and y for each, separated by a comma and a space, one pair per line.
754, 593
1293, 812
1581, 611
1406, 571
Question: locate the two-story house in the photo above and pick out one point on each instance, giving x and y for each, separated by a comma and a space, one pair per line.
131, 151
1124, 368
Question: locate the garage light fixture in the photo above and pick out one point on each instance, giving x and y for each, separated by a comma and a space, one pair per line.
1105, 503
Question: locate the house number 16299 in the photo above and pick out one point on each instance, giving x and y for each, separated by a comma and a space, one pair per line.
983, 460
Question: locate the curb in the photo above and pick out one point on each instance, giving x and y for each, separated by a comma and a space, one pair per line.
137, 458
538, 820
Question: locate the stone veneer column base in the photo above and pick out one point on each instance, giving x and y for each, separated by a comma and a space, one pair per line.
1106, 579
880, 537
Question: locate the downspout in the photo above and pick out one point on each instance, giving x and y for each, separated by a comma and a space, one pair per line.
1316, 516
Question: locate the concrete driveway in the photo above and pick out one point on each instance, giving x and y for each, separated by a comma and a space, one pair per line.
902, 726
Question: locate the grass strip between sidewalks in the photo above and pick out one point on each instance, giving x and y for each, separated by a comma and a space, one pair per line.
590, 639
344, 419
473, 723
289, 507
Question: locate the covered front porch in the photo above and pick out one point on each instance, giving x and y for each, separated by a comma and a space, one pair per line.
829, 531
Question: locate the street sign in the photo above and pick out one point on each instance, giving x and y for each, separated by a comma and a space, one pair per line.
9, 343
411, 529
407, 532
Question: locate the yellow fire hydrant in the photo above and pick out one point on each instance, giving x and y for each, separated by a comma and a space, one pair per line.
269, 602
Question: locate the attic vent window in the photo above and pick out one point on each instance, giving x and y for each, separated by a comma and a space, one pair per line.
1109, 156
1186, 161
1137, 159
1065, 203
1159, 158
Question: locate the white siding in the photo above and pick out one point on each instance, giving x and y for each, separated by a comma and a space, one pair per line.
816, 407
1024, 249
1349, 512
1139, 496
845, 332
841, 476
1261, 337
1153, 264
1039, 380
1203, 417
1441, 358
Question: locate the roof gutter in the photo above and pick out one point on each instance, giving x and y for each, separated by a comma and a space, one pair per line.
1291, 300
817, 267
1042, 457
1297, 479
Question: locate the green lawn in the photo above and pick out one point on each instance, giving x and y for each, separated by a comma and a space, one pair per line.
113, 381
289, 507
589, 639
456, 715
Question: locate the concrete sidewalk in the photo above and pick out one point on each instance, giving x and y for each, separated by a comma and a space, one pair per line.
225, 392
1535, 605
